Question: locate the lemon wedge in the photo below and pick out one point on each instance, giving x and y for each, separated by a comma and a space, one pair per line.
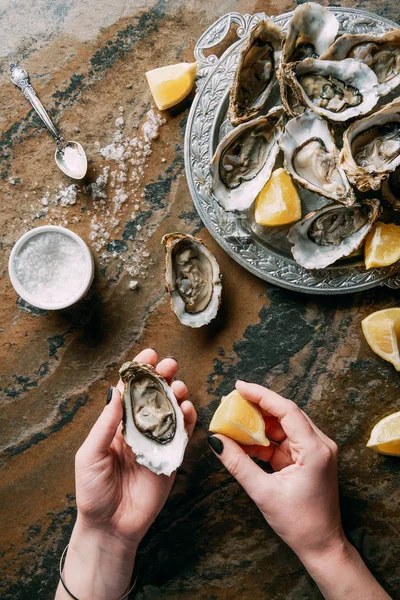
382, 246
171, 84
240, 420
382, 331
278, 203
385, 436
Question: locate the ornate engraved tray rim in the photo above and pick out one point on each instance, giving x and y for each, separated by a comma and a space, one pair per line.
229, 229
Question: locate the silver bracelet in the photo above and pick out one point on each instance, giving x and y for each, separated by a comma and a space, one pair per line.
74, 597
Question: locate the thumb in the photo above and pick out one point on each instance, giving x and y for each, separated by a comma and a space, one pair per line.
239, 464
103, 431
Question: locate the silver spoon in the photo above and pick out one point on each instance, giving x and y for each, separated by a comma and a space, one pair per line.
69, 156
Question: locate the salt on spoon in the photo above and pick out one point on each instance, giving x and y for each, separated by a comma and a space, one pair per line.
70, 157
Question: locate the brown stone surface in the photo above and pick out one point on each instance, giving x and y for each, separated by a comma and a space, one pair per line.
86, 59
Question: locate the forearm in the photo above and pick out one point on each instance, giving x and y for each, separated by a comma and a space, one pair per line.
343, 574
96, 566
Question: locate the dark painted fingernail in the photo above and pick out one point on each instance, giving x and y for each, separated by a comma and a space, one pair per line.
109, 395
215, 444
173, 358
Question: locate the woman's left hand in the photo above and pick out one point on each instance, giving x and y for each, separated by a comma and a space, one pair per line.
113, 492
117, 499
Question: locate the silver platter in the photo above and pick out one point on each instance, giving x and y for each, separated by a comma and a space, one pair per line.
262, 251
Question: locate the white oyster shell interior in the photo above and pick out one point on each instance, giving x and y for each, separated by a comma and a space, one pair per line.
153, 422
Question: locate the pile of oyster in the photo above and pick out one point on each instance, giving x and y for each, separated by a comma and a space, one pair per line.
339, 134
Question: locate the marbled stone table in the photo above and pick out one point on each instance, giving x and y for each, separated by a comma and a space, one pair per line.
87, 59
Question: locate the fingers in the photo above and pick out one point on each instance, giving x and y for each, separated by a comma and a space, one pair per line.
250, 476
190, 416
148, 356
264, 453
273, 429
180, 390
167, 368
292, 419
282, 457
103, 431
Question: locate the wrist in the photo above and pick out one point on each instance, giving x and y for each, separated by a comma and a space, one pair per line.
98, 564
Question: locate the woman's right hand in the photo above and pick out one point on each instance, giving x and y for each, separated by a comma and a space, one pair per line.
300, 499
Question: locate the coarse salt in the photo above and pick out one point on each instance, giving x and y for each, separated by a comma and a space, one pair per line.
51, 267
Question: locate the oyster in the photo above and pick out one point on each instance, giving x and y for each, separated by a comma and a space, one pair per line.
244, 159
192, 278
371, 147
255, 73
336, 90
153, 423
391, 189
312, 158
331, 233
311, 31
381, 54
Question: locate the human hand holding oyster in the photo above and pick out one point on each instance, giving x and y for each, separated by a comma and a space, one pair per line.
117, 498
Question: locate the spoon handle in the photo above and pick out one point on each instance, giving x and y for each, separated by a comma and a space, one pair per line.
20, 78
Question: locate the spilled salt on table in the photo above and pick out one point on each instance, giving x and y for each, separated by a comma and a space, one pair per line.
51, 267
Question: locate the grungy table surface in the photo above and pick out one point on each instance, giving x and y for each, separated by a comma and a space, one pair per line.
87, 61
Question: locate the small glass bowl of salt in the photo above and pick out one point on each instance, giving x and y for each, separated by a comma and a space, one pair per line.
51, 267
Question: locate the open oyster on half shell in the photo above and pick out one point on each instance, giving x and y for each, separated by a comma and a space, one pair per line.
256, 72
336, 90
312, 159
381, 54
311, 31
371, 147
332, 233
153, 423
193, 279
244, 159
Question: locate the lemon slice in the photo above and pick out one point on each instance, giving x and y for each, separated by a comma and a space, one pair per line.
382, 245
170, 85
278, 203
385, 436
382, 330
240, 420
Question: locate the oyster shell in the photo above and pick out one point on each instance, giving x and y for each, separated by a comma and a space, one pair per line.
244, 159
371, 147
193, 279
312, 158
381, 54
311, 31
335, 90
153, 423
255, 74
331, 233
391, 189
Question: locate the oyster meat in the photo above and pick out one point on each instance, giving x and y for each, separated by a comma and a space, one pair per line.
311, 31
337, 91
193, 279
332, 233
153, 423
244, 159
371, 147
381, 54
311, 157
255, 74
391, 189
